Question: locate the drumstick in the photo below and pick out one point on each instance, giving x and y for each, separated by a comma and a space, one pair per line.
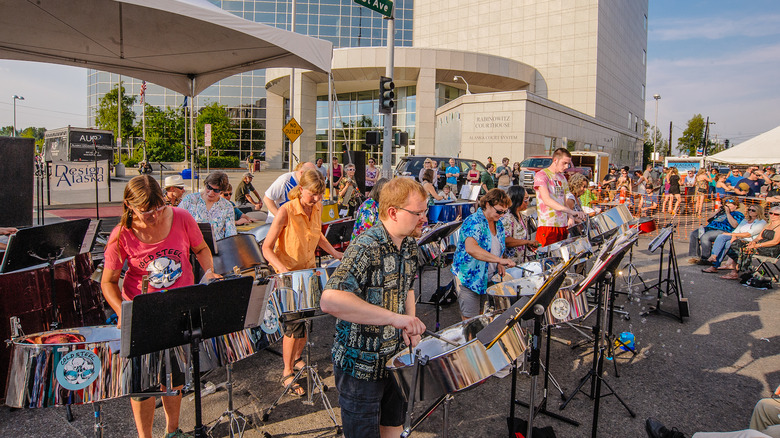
441, 338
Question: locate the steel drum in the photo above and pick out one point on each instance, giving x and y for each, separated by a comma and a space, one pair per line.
502, 295
230, 348
258, 230
452, 369
75, 366
604, 224
240, 250
567, 306
565, 249
645, 224
427, 253
298, 291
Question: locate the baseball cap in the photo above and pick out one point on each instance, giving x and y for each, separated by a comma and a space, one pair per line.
776, 178
248, 174
174, 181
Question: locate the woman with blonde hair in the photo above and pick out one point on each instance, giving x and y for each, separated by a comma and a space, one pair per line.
747, 230
294, 236
674, 191
702, 185
155, 240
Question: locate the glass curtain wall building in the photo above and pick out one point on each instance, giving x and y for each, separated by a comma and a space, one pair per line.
341, 22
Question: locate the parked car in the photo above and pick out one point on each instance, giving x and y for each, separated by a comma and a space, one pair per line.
531, 165
411, 165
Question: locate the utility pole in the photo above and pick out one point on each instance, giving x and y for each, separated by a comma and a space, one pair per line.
387, 140
706, 136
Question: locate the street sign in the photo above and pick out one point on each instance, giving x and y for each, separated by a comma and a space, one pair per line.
207, 134
292, 130
384, 7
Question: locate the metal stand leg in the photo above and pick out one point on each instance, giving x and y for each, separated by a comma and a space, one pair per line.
235, 419
313, 381
98, 427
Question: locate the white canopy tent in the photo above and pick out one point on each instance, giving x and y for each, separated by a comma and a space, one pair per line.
183, 45
761, 149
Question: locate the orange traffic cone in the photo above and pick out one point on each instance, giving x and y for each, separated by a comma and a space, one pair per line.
717, 202
622, 199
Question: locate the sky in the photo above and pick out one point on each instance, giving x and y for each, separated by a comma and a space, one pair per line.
716, 58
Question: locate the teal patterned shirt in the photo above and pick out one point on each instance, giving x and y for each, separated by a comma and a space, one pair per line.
471, 272
375, 270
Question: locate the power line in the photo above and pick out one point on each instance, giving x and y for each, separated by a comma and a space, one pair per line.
19, 107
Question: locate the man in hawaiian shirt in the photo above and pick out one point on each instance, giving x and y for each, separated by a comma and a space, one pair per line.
371, 295
551, 188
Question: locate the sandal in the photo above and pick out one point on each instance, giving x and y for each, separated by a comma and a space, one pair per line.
296, 367
730, 277
295, 388
711, 270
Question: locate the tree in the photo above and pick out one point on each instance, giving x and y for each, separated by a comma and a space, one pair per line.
654, 138
106, 115
37, 134
164, 134
222, 134
693, 136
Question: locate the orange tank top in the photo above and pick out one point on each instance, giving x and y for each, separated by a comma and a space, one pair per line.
299, 237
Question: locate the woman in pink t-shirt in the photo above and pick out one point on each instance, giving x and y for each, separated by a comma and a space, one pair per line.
155, 240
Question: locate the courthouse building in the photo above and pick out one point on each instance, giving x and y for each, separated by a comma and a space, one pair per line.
541, 74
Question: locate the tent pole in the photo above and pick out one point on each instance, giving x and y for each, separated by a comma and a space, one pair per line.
330, 133
192, 136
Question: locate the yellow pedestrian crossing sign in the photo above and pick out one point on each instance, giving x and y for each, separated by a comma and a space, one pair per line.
292, 130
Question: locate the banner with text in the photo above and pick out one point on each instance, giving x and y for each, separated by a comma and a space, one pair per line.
78, 175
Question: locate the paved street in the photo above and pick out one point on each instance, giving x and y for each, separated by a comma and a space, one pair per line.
703, 374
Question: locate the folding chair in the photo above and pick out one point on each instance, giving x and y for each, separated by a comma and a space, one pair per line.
769, 266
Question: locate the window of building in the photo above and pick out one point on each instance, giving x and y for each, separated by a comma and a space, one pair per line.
630, 119
644, 57
643, 92
644, 22
586, 147
549, 144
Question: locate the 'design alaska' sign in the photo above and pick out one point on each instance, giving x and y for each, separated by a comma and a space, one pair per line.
384, 7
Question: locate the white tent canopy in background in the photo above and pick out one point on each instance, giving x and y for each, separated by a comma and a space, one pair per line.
182, 45
761, 149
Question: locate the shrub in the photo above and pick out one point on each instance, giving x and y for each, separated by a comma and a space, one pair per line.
220, 162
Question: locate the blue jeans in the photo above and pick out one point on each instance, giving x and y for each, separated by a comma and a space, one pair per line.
720, 247
367, 404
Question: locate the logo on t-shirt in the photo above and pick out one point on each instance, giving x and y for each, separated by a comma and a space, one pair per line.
163, 272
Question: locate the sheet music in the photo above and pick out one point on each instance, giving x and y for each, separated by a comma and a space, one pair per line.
89, 238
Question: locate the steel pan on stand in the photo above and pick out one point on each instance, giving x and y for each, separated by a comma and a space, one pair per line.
298, 291
76, 366
565, 249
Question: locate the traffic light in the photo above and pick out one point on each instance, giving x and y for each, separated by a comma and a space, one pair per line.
401, 138
386, 95
726, 143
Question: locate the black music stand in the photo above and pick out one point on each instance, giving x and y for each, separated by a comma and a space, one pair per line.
433, 236
338, 233
187, 315
527, 308
672, 280
602, 274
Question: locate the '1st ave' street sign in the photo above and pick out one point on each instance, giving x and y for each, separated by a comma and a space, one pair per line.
384, 7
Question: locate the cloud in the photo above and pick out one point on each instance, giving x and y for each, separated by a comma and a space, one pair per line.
713, 28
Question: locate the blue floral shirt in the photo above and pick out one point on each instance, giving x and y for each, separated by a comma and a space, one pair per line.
220, 216
473, 273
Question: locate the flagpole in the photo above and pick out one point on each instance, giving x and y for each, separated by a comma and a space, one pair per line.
143, 115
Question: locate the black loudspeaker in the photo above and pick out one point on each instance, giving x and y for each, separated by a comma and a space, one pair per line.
373, 138
17, 167
359, 160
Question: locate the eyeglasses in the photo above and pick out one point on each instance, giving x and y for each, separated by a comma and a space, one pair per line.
215, 190
150, 213
416, 213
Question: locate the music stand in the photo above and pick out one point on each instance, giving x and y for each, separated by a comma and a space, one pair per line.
602, 274
433, 236
45, 244
673, 285
527, 308
338, 233
208, 236
187, 315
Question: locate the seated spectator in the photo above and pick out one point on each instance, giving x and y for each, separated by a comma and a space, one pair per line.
773, 194
750, 186
240, 217
764, 423
723, 221
447, 195
765, 245
649, 201
745, 232
244, 193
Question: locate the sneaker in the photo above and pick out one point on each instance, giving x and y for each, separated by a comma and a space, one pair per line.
656, 429
177, 434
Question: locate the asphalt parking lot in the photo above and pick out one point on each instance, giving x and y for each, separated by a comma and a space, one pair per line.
704, 374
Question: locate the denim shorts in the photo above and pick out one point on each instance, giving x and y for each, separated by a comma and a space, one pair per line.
367, 404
